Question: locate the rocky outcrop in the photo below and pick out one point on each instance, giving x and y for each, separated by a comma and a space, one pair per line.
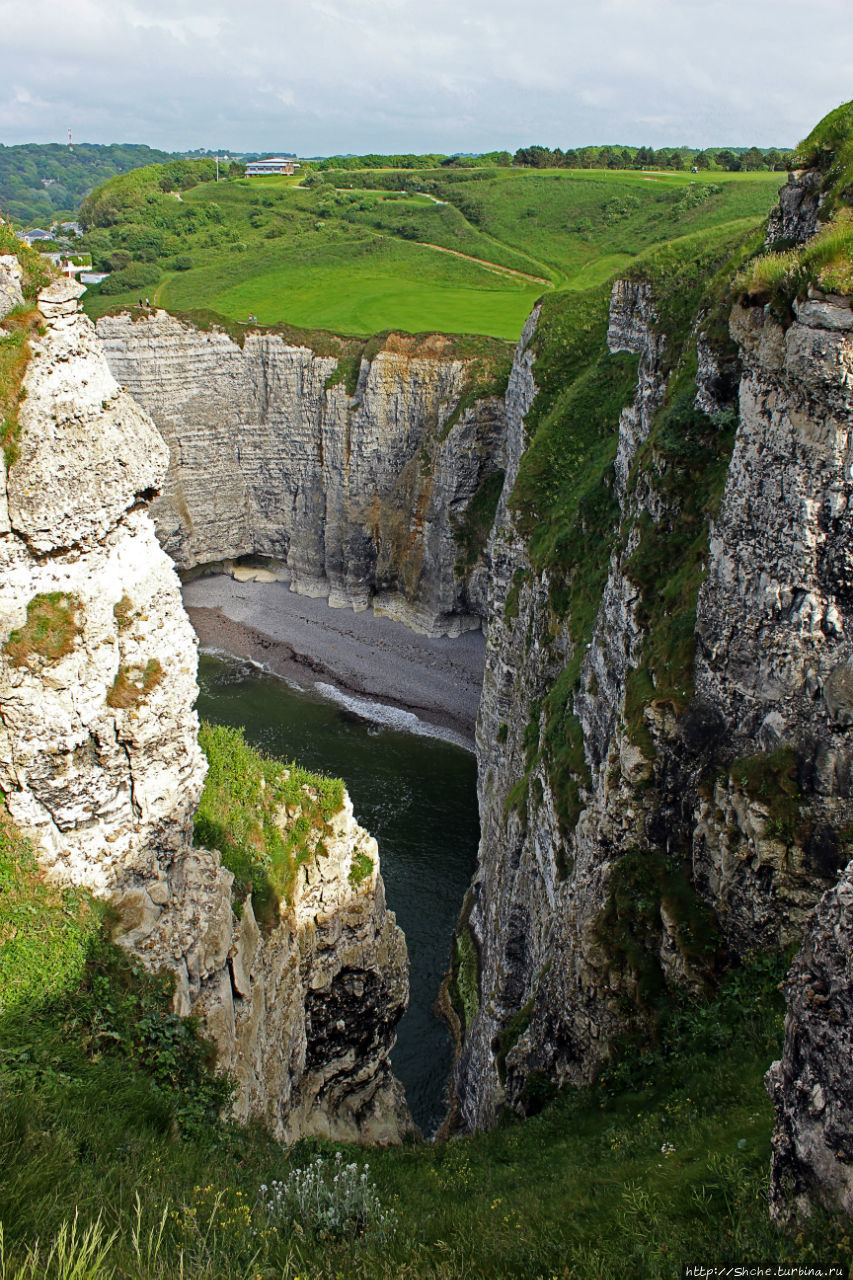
10, 284
304, 1013
795, 218
360, 496
734, 812
774, 629
812, 1086
100, 765
99, 786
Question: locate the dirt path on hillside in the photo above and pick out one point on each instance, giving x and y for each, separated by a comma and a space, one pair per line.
483, 262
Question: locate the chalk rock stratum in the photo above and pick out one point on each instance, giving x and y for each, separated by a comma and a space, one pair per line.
100, 765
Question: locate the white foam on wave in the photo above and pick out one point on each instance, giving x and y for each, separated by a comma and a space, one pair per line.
390, 717
379, 713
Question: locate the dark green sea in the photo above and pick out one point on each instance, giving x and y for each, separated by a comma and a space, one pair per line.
416, 795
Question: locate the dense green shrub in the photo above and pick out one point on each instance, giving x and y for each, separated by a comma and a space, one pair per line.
139, 275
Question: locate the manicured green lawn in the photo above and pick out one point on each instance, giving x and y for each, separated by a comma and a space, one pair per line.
406, 287
353, 256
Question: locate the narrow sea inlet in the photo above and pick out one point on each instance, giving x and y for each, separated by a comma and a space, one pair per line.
416, 794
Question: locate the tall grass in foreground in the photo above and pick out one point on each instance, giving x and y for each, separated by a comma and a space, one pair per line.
665, 1160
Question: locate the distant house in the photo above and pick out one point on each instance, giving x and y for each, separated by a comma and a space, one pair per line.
37, 233
276, 164
70, 266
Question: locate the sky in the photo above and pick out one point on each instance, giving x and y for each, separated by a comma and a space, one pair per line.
320, 77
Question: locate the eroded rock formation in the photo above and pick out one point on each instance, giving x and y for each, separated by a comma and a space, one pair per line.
10, 284
100, 764
739, 803
812, 1084
359, 496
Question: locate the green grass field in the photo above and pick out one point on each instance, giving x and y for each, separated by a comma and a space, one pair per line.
108, 1120
360, 289
356, 255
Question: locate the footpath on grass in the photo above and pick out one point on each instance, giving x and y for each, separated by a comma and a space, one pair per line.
489, 266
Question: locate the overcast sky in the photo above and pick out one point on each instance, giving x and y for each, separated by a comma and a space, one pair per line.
328, 76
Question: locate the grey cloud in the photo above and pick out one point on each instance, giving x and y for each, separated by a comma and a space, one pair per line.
350, 75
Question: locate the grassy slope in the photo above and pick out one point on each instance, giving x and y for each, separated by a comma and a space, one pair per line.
240, 814
355, 259
359, 288
107, 1111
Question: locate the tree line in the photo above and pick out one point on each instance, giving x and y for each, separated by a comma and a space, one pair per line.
734, 160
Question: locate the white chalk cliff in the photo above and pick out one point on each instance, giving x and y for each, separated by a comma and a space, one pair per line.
100, 764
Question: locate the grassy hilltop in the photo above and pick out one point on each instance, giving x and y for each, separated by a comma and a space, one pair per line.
361, 251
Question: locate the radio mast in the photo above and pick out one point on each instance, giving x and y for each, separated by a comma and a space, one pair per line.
70, 145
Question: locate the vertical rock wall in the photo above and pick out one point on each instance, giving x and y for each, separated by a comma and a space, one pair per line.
694, 794
358, 495
547, 1001
100, 764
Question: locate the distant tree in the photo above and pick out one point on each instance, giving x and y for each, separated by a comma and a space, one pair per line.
752, 160
533, 157
728, 160
137, 238
118, 260
701, 160
99, 244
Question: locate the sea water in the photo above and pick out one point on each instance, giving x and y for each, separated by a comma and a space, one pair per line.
415, 793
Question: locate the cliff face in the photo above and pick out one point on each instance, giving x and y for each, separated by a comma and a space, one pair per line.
812, 672
681, 805
100, 764
360, 495
10, 284
774, 626
548, 1003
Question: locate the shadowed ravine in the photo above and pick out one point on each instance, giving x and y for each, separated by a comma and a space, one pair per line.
416, 795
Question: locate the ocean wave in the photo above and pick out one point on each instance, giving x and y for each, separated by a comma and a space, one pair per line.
381, 714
